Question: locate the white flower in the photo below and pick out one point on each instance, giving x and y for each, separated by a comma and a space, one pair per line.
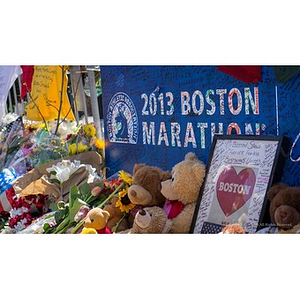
20, 225
63, 170
18, 212
65, 128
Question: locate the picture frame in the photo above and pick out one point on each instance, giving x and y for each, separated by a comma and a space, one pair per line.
240, 170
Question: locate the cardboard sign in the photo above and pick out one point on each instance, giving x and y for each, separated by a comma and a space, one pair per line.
157, 114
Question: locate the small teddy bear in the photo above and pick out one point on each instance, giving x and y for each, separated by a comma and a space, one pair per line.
146, 185
149, 220
182, 192
284, 206
115, 216
96, 221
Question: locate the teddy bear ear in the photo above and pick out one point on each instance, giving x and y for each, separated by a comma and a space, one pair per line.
106, 215
275, 189
165, 175
136, 167
190, 156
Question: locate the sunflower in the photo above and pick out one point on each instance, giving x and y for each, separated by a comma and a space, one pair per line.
124, 203
126, 177
99, 144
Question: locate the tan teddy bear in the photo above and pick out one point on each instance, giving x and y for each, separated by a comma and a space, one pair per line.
182, 192
149, 220
146, 185
96, 221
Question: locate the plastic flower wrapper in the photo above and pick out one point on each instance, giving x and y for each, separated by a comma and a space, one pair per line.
40, 225
13, 137
47, 147
65, 128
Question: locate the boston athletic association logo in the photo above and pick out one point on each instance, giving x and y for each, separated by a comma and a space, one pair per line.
122, 121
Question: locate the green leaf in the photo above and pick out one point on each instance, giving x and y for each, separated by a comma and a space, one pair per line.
55, 180
61, 214
85, 191
74, 194
46, 226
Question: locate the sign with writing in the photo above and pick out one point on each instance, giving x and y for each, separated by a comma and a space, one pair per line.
49, 98
157, 114
239, 174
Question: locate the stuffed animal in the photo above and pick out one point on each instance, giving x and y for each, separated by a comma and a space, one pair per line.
115, 216
284, 207
182, 192
149, 220
96, 221
146, 185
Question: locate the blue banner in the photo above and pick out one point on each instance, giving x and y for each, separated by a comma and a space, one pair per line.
157, 114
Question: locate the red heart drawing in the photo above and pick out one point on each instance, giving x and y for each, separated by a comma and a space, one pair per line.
234, 190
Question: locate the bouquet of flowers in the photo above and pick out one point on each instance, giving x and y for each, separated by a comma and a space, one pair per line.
70, 216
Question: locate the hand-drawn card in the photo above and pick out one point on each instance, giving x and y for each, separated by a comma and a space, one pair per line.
240, 170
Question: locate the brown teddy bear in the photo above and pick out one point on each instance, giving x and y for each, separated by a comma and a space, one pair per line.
284, 206
96, 221
115, 216
146, 185
182, 192
149, 220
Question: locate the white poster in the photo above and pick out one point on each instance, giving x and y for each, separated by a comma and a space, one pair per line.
8, 75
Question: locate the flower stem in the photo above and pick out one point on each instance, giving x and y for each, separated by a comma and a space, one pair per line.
62, 225
119, 223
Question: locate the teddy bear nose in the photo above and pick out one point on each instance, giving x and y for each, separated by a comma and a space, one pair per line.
133, 193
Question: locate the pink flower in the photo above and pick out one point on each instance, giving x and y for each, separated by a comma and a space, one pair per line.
81, 214
96, 191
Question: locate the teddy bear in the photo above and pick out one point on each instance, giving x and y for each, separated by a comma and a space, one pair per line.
182, 191
285, 207
115, 216
146, 185
96, 221
151, 219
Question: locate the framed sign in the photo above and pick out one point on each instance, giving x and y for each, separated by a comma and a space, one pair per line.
240, 171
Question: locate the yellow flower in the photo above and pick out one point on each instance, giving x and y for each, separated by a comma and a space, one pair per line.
99, 144
89, 130
72, 149
122, 193
81, 147
123, 202
126, 177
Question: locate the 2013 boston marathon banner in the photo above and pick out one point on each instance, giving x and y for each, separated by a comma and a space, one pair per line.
157, 114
